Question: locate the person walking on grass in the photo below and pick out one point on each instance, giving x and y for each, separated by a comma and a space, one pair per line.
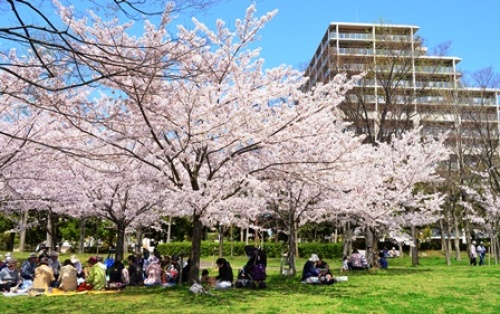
473, 254
481, 251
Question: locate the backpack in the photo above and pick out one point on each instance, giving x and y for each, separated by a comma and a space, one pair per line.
115, 274
109, 261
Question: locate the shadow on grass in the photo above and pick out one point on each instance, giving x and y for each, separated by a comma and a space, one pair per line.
276, 286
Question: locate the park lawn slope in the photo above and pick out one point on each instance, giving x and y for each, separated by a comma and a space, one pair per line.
431, 288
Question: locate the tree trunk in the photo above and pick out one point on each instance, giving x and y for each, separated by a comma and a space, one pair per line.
369, 237
292, 244
445, 243
247, 232
139, 234
169, 229
22, 232
456, 227
12, 238
347, 240
414, 248
120, 241
81, 239
196, 248
51, 230
494, 249
221, 241
296, 227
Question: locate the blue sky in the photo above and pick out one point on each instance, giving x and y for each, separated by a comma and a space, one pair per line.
472, 27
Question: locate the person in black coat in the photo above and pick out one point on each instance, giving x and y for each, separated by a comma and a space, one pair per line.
135, 274
225, 270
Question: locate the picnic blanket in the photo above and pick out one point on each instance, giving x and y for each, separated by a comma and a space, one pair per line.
57, 292
14, 294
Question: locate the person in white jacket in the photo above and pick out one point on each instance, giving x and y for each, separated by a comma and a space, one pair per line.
473, 253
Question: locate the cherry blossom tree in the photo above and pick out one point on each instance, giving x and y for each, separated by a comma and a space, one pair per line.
199, 111
122, 192
59, 53
206, 128
483, 205
385, 184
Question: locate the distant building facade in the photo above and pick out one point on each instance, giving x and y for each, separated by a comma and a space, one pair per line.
403, 85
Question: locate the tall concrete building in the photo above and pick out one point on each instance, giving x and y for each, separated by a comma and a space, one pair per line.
403, 84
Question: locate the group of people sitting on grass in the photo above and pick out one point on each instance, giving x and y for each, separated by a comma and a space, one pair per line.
41, 273
317, 271
357, 261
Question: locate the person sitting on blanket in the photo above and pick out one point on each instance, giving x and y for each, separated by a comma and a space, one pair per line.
225, 277
28, 267
78, 265
310, 272
96, 279
44, 277
68, 276
55, 265
358, 261
154, 272
118, 274
9, 276
324, 274
134, 273
172, 273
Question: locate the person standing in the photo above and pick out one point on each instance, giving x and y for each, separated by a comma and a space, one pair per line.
481, 251
473, 253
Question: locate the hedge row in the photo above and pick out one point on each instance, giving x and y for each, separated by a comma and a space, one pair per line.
325, 250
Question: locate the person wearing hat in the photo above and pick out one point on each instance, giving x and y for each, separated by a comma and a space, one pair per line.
28, 267
310, 272
43, 251
3, 263
9, 276
55, 265
76, 263
44, 278
96, 279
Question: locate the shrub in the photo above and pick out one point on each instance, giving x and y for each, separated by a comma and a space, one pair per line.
272, 249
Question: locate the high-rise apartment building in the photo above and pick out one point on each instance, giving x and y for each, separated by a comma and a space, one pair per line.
403, 84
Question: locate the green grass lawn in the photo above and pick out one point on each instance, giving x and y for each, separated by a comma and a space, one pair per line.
429, 288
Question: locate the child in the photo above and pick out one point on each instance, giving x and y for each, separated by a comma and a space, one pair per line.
345, 264
205, 278
382, 261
